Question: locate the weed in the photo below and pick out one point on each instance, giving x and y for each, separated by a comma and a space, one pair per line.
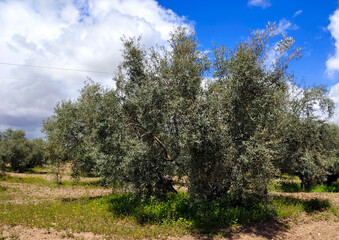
289, 206
209, 215
296, 187
14, 236
122, 215
334, 187
67, 235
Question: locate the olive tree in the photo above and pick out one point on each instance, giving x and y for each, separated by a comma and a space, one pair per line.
304, 135
19, 152
226, 123
239, 130
83, 131
331, 143
158, 91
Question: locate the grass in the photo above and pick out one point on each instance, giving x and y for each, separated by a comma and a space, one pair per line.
2, 189
210, 216
123, 216
43, 182
7, 193
30, 180
205, 216
39, 170
83, 215
289, 206
296, 187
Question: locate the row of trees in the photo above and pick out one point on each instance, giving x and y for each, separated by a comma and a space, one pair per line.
226, 124
18, 152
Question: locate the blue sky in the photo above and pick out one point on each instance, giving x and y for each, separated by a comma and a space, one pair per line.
58, 36
228, 22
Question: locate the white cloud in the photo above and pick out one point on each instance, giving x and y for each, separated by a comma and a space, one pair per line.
334, 95
332, 64
81, 34
285, 25
259, 3
297, 13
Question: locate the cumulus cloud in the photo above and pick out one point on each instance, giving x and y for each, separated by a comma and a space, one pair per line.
297, 13
259, 3
332, 64
80, 34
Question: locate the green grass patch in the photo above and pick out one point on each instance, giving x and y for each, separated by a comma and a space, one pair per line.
125, 216
6, 197
289, 206
296, 187
205, 216
85, 215
212, 215
39, 170
3, 189
43, 182
30, 180
86, 184
334, 187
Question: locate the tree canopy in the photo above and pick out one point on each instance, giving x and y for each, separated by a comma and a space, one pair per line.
225, 123
19, 152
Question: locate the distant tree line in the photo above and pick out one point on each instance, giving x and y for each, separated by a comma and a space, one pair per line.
20, 153
226, 124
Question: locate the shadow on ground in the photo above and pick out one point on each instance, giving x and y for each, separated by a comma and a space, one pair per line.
264, 229
215, 218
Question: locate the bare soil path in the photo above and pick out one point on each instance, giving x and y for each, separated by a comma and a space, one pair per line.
51, 177
308, 230
21, 193
332, 197
28, 193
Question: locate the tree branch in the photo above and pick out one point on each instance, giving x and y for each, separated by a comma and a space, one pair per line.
167, 156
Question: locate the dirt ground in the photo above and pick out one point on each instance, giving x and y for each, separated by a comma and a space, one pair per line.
51, 177
332, 197
320, 230
307, 227
30, 193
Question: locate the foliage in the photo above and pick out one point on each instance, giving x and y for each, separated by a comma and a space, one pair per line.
158, 91
85, 132
305, 148
19, 152
236, 128
331, 142
226, 137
